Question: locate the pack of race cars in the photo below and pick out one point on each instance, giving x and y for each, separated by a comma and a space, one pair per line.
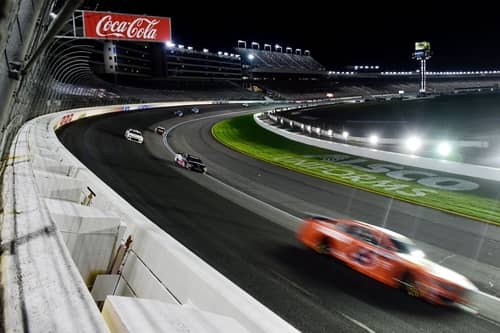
379, 253
183, 160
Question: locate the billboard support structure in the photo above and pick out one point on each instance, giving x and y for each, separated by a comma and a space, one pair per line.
422, 53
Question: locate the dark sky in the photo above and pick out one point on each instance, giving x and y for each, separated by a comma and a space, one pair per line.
360, 33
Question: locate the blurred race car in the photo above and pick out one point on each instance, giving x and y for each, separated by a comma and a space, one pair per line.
134, 135
190, 162
159, 130
194, 109
385, 256
179, 113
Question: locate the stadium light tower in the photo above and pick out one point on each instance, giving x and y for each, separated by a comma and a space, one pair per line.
278, 47
267, 47
255, 44
242, 43
422, 53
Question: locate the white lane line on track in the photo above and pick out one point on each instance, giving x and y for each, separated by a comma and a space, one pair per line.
360, 324
248, 196
489, 320
446, 258
467, 309
170, 129
293, 284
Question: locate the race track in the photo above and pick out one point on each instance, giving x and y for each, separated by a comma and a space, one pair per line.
254, 244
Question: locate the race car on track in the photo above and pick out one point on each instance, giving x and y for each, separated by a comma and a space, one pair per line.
385, 256
179, 113
195, 110
159, 130
190, 162
134, 135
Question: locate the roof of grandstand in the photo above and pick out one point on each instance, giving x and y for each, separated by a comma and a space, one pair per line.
279, 62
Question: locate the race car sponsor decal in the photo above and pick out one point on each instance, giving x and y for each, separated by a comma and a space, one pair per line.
363, 257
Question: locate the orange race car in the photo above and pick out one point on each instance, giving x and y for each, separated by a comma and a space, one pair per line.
385, 256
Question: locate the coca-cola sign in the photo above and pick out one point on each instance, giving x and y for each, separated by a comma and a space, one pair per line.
102, 25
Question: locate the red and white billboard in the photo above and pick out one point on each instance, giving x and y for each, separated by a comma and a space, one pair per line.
103, 25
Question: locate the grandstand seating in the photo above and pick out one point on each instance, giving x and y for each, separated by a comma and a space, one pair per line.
159, 91
276, 61
317, 89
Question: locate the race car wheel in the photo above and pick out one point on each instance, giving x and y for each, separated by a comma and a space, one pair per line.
323, 246
409, 286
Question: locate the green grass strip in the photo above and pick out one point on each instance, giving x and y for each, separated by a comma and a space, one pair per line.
244, 135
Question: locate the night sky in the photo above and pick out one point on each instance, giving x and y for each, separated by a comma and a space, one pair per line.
337, 35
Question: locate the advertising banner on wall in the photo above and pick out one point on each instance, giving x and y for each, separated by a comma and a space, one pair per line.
114, 26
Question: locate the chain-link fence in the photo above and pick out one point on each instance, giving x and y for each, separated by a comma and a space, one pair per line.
59, 78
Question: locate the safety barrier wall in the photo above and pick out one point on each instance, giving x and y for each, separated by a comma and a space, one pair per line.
157, 266
457, 168
329, 134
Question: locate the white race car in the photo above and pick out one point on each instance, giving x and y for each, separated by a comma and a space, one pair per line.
134, 135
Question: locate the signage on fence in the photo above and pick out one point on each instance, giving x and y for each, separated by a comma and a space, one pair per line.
114, 26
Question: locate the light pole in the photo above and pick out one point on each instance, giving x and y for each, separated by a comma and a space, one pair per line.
255, 44
422, 53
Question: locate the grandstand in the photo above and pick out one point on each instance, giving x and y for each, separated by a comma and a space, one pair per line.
264, 61
154, 60
189, 64
156, 71
321, 88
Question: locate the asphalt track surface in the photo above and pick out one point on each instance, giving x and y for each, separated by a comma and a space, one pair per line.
312, 292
